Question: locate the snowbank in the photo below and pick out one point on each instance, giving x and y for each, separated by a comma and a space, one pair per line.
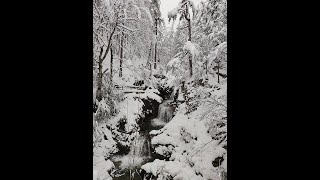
152, 93
102, 169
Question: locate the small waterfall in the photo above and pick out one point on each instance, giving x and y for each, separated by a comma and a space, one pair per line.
165, 111
140, 147
140, 152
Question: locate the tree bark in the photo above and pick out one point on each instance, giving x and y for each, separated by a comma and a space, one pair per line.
121, 55
155, 55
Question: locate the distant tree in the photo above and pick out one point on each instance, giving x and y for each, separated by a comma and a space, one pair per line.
104, 27
158, 21
210, 32
183, 9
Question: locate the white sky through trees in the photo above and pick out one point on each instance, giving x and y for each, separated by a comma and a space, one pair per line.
168, 5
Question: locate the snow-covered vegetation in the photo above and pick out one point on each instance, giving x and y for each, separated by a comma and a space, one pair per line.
159, 94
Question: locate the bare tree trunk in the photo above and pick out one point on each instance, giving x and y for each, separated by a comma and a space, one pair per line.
218, 72
155, 56
149, 60
206, 67
189, 39
121, 55
111, 65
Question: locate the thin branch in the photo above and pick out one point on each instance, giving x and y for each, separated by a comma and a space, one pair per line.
127, 28
105, 71
202, 147
182, 27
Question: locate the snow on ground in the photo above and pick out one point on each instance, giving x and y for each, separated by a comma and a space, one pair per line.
165, 169
192, 145
188, 143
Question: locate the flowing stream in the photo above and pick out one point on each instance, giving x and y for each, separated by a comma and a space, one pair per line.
140, 151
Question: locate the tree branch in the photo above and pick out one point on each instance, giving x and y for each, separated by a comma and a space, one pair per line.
109, 42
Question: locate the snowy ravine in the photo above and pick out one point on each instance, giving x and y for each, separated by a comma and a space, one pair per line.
163, 140
159, 92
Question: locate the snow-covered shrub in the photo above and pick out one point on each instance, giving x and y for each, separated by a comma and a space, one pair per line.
104, 146
103, 111
164, 170
192, 48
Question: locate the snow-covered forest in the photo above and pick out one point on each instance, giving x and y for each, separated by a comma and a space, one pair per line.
159, 90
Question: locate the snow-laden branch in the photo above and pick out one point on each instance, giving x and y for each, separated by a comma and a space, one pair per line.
99, 38
191, 48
